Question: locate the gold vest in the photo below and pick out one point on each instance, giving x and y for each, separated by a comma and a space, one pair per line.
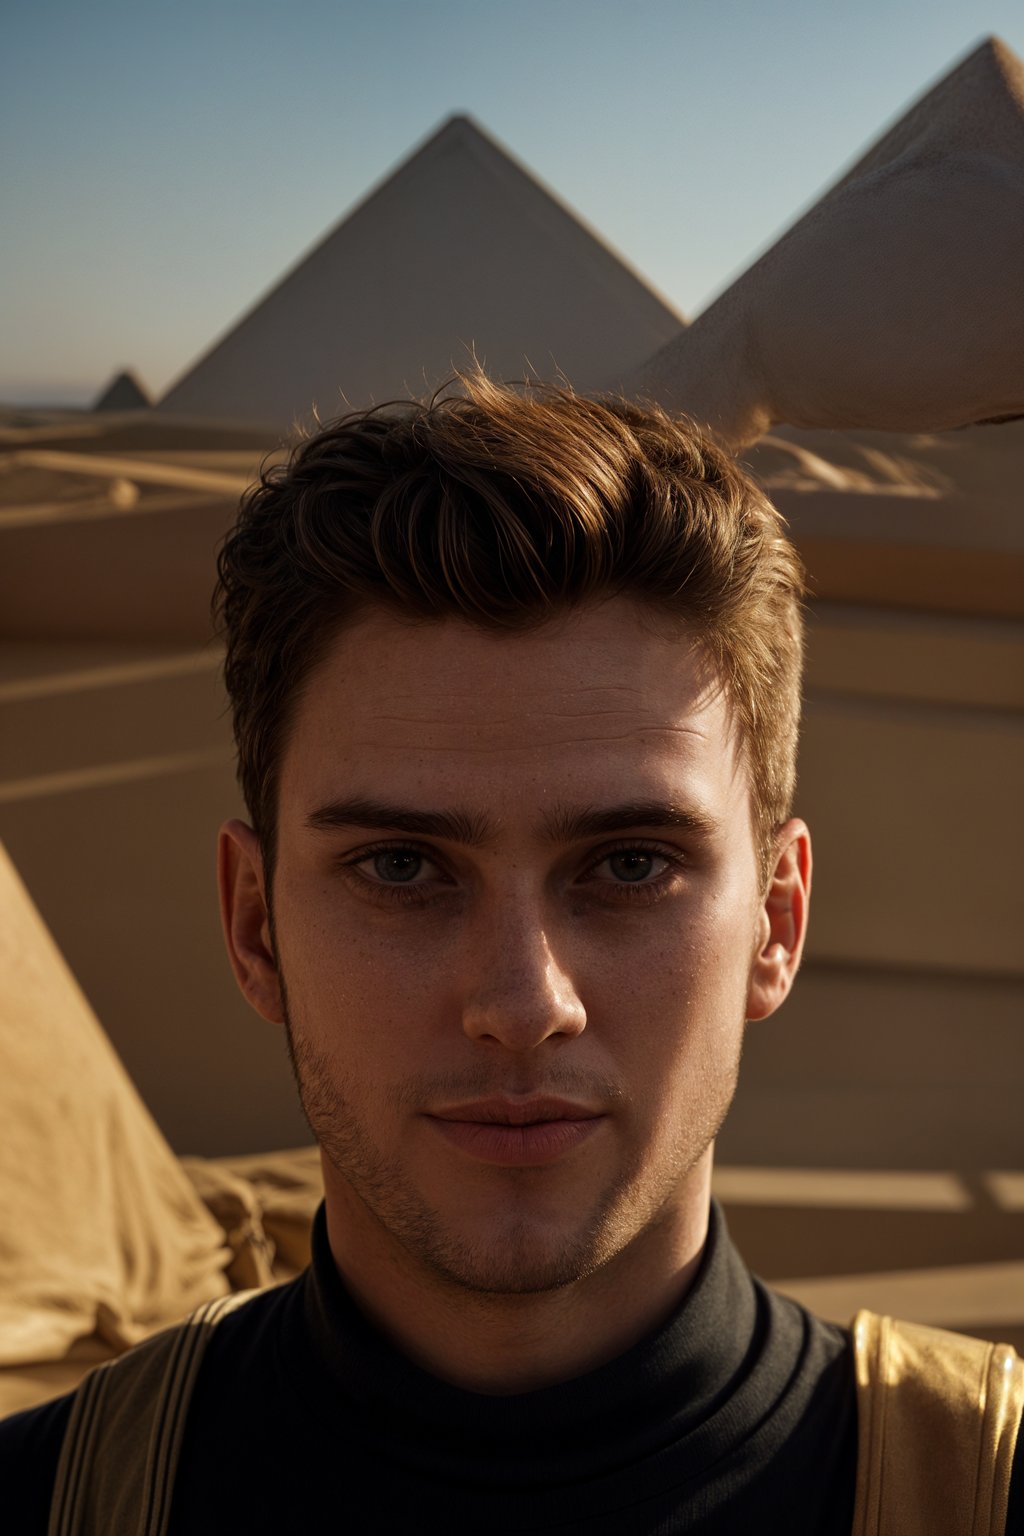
937, 1422
937, 1418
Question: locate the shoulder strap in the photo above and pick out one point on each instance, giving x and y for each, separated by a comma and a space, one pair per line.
121, 1447
937, 1415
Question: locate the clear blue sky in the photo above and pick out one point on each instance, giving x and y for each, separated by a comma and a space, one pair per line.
165, 162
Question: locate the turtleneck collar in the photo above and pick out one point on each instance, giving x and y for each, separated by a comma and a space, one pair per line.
665, 1388
738, 1408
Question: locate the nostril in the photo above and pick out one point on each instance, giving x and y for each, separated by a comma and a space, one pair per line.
518, 1026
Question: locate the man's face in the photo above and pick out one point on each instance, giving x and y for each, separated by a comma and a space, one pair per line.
516, 882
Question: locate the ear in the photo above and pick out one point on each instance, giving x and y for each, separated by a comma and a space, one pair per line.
245, 916
782, 922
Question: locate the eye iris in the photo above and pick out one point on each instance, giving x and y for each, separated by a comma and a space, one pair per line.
397, 867
632, 865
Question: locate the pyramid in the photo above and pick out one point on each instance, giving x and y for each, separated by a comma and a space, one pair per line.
460, 250
897, 302
123, 393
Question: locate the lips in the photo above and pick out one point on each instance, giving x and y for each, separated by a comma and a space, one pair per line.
522, 1133
502, 1111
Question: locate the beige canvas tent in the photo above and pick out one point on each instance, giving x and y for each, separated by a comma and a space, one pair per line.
459, 252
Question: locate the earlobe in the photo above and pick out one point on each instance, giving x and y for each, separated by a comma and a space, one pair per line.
782, 922
246, 921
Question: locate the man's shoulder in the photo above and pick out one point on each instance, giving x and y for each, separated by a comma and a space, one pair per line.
953, 1374
938, 1420
30, 1446
31, 1441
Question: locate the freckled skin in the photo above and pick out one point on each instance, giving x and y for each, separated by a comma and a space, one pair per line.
525, 965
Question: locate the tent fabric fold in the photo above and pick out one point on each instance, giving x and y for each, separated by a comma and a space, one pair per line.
102, 1234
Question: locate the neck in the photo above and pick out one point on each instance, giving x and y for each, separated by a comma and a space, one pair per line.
502, 1344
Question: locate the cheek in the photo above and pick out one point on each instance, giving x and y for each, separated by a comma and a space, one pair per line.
359, 996
676, 1003
700, 951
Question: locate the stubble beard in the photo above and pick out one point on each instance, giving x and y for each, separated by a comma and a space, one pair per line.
520, 1262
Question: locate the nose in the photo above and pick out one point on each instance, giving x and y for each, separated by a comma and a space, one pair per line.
518, 996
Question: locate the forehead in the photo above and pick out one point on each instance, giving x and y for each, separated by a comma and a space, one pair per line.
605, 701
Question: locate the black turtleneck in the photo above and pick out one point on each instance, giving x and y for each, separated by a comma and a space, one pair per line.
737, 1415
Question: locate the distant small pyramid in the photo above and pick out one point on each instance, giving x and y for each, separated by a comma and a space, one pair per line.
897, 301
123, 393
459, 251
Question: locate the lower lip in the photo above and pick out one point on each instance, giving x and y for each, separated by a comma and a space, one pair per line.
518, 1146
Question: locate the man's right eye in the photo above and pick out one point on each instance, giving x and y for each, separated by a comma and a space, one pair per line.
395, 865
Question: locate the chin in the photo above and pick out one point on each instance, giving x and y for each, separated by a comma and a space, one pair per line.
518, 1262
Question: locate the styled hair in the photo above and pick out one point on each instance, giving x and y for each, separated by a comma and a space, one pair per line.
505, 507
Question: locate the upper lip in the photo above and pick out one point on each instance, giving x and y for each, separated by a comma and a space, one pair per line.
502, 1111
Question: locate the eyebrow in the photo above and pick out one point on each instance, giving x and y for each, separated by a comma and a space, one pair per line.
454, 826
562, 824
568, 824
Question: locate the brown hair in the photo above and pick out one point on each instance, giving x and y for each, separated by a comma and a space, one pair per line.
503, 507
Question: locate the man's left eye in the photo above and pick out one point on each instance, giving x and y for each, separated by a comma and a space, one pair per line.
632, 866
